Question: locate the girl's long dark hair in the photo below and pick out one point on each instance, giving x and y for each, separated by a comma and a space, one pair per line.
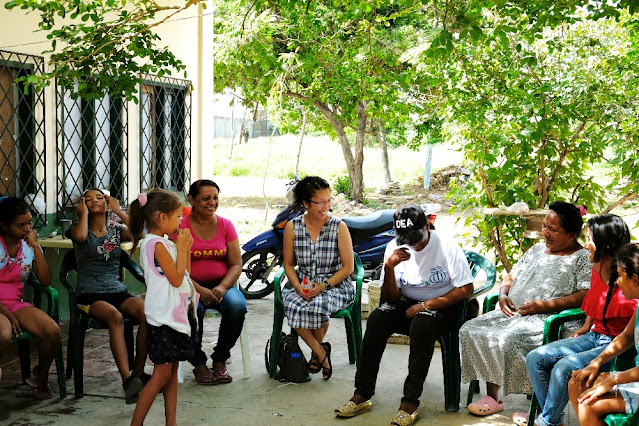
157, 201
306, 188
628, 259
609, 233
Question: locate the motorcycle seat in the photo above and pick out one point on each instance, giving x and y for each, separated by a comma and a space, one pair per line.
373, 221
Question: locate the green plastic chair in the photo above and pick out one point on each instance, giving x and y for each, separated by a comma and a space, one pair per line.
622, 419
23, 340
449, 342
352, 318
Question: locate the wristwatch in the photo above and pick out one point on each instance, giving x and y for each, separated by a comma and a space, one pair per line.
327, 286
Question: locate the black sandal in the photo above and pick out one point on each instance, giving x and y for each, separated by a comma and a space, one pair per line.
314, 366
327, 372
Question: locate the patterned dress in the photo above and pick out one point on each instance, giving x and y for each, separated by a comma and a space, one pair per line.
318, 261
494, 346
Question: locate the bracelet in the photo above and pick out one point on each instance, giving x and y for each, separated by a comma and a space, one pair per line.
423, 305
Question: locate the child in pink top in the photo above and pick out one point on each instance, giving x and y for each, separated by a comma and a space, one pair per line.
20, 254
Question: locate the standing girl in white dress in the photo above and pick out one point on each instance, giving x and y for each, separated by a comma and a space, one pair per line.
170, 297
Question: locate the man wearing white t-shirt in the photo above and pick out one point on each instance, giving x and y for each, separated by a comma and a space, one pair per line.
424, 282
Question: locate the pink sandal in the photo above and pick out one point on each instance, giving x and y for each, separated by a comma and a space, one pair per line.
520, 419
485, 406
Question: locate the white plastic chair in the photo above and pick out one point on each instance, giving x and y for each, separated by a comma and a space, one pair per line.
244, 343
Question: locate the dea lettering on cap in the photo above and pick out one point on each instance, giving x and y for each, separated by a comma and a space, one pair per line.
404, 223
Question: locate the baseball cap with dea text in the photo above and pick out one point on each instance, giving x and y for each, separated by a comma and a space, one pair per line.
409, 221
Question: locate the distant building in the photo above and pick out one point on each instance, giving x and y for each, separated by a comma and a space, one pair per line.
228, 119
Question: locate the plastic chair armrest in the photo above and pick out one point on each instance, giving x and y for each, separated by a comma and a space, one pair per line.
51, 295
490, 302
359, 276
129, 264
554, 323
277, 283
481, 290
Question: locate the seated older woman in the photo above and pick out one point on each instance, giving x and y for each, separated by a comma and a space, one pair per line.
550, 277
322, 246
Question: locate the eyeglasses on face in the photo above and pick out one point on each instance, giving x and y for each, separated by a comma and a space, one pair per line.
323, 203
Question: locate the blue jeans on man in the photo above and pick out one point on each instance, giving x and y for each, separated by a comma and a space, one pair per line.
233, 310
550, 369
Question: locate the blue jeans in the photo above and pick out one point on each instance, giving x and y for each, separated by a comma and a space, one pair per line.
233, 310
550, 368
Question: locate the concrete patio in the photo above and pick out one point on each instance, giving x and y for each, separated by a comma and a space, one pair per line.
254, 401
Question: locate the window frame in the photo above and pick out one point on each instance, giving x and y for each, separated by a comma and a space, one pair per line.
155, 123
28, 111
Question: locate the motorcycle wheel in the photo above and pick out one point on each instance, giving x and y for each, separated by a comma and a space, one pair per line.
258, 272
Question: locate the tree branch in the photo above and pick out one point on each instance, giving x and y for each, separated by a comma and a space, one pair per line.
177, 9
627, 197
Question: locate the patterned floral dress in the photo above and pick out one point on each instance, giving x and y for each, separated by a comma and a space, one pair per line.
318, 261
493, 345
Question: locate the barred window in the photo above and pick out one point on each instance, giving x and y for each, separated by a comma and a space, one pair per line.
92, 148
165, 133
22, 136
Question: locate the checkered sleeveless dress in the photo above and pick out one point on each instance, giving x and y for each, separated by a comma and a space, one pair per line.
318, 261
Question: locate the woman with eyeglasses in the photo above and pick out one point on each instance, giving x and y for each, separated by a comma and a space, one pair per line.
322, 247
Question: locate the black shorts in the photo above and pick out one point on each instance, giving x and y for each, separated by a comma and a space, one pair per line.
88, 299
165, 344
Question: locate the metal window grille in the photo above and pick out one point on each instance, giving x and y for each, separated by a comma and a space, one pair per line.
92, 148
165, 133
22, 135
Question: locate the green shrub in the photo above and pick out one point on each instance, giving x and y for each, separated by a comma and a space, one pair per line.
343, 185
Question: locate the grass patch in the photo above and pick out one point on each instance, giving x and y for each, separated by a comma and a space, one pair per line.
320, 156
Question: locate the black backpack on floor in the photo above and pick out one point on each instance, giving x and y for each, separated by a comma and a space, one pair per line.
291, 362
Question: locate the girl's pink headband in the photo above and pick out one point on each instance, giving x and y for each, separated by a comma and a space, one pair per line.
142, 198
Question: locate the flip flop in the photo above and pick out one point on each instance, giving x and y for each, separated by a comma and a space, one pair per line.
314, 365
520, 419
222, 376
485, 406
205, 380
41, 390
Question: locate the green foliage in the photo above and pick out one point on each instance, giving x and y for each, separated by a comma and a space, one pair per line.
342, 185
350, 67
102, 47
535, 108
239, 170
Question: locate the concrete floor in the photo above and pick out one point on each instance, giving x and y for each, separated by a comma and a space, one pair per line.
254, 401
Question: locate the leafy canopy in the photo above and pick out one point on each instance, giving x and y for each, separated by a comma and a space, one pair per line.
103, 47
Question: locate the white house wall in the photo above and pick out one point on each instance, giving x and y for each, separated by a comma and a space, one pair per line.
189, 35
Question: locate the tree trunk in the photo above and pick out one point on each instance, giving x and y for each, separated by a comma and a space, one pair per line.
353, 162
356, 174
381, 137
299, 150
